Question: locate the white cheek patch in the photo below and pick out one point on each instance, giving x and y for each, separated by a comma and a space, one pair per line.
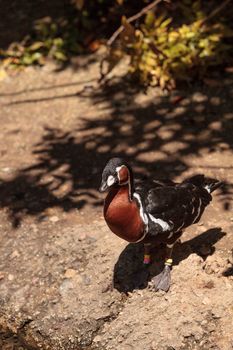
110, 180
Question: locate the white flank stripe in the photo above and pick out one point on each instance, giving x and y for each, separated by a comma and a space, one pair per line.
170, 245
160, 222
170, 235
142, 214
179, 228
198, 210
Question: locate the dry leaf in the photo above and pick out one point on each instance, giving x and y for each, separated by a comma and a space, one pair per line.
128, 34
3, 74
94, 45
79, 4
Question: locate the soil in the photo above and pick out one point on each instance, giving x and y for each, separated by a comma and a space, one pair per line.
66, 282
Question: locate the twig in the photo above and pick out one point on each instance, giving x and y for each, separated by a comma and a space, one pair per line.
156, 51
215, 11
132, 19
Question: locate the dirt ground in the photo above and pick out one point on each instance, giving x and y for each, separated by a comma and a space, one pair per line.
66, 282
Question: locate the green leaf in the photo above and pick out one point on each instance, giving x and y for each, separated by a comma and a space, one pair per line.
60, 56
165, 23
150, 19
36, 46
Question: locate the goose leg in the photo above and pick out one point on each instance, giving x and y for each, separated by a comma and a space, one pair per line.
147, 259
163, 280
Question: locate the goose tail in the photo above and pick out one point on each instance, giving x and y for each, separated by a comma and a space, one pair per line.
208, 183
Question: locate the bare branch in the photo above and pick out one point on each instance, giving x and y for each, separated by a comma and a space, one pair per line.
215, 11
132, 19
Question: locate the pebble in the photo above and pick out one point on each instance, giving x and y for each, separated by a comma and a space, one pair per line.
86, 280
108, 287
34, 228
82, 236
97, 339
15, 254
6, 170
91, 239
70, 273
10, 277
206, 301
54, 301
217, 312
65, 287
54, 219
2, 275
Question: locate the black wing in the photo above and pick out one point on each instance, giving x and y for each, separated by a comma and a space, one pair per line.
177, 204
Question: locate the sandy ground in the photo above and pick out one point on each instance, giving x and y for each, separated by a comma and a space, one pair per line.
66, 282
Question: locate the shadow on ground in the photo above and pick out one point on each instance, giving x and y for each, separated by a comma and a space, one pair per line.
228, 272
156, 137
130, 273
22, 15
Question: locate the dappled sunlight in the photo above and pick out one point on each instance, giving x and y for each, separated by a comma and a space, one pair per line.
162, 138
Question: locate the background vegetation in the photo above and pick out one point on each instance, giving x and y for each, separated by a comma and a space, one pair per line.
166, 41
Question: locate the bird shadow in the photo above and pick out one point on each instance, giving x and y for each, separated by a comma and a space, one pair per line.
228, 272
130, 273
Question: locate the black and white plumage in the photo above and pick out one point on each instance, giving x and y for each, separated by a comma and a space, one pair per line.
153, 211
171, 207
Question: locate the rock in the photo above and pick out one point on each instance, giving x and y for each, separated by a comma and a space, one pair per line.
214, 265
193, 260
